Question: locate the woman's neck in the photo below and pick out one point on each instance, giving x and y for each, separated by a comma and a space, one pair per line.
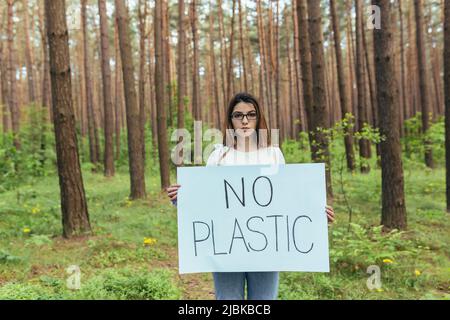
246, 145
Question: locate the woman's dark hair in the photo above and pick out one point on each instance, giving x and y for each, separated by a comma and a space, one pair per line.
262, 130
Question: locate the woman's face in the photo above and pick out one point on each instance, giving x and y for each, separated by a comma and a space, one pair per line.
244, 119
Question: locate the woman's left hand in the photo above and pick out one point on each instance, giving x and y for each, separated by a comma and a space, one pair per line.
330, 214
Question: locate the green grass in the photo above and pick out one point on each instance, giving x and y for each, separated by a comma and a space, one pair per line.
115, 263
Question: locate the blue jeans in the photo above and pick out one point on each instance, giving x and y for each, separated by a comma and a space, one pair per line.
260, 285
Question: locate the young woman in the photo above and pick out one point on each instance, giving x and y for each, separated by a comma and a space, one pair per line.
246, 141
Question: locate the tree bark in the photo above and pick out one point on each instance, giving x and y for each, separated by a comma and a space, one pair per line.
343, 90
161, 111
364, 144
4, 87
393, 198
447, 97
118, 90
75, 216
142, 35
423, 80
136, 160
107, 102
320, 112
195, 72
12, 94
212, 59
93, 134
305, 53
29, 57
182, 79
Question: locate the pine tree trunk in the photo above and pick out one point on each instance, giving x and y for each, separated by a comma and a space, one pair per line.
447, 97
423, 80
305, 53
241, 43
12, 94
302, 126
29, 57
75, 217
136, 160
153, 121
212, 59
93, 146
320, 113
182, 80
264, 92
223, 55
230, 77
364, 144
167, 62
4, 90
142, 30
161, 111
195, 76
107, 102
118, 89
393, 198
343, 91
402, 68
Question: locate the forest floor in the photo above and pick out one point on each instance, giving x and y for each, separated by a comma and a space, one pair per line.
133, 253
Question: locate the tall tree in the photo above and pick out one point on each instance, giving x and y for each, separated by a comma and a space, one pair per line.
230, 73
195, 72
45, 78
181, 65
29, 56
299, 102
107, 99
75, 216
160, 106
12, 93
306, 71
142, 15
320, 112
241, 46
423, 80
135, 158
343, 90
94, 147
118, 89
364, 144
402, 68
447, 96
4, 87
263, 74
212, 59
223, 55
393, 198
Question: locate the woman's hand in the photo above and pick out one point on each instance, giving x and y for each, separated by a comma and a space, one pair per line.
172, 192
330, 214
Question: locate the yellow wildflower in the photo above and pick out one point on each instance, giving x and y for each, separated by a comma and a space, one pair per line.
417, 273
149, 241
380, 290
35, 210
387, 261
26, 230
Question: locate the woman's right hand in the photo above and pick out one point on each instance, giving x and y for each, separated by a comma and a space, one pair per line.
172, 192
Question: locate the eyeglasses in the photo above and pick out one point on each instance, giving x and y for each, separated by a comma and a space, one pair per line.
252, 115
